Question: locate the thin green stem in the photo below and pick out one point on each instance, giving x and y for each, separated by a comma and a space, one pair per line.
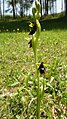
38, 89
38, 100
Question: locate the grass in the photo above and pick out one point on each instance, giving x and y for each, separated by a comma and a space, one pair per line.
17, 70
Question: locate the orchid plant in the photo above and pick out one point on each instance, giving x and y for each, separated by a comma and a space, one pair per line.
35, 35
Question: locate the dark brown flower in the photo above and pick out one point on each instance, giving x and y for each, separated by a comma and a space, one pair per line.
30, 43
33, 29
41, 68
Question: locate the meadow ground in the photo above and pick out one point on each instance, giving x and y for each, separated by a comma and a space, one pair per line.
17, 71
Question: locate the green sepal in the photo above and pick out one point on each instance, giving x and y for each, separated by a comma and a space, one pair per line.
31, 24
38, 6
34, 43
38, 31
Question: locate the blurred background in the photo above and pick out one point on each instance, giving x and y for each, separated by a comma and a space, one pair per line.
23, 8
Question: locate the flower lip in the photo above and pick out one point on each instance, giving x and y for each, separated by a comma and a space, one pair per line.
41, 68
30, 43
